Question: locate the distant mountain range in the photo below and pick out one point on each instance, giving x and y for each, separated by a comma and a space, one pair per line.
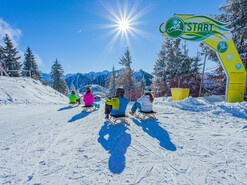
80, 80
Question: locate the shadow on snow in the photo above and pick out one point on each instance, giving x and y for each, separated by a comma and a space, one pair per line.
79, 116
153, 129
239, 112
65, 108
115, 140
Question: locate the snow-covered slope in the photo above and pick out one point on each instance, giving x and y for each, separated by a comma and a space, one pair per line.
194, 141
28, 91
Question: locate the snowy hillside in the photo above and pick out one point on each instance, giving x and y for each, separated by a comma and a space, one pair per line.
194, 141
28, 91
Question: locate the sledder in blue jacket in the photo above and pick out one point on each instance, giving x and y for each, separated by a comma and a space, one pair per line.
116, 106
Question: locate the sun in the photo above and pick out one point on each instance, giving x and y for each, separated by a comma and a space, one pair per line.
124, 21
124, 25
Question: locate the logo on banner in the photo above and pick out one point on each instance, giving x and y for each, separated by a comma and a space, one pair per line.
195, 28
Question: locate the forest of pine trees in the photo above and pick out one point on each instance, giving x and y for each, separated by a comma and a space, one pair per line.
173, 61
11, 61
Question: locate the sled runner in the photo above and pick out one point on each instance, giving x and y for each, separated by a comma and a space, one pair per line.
145, 115
89, 108
73, 104
114, 120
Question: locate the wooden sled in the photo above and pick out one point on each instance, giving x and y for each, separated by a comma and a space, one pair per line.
145, 115
117, 120
89, 108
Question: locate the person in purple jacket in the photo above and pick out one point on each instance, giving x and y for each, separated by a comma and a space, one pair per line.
88, 99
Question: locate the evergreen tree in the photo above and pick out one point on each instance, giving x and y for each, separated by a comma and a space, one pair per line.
175, 65
57, 82
1, 54
142, 83
67, 93
236, 13
72, 88
112, 83
186, 62
126, 75
172, 61
9, 57
195, 66
30, 64
160, 67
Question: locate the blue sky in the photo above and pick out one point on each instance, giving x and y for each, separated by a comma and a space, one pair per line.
79, 34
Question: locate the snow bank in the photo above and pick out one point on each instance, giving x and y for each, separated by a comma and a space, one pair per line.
28, 91
211, 104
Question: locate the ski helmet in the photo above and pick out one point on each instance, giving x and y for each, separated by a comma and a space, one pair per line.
73, 92
120, 92
147, 89
88, 89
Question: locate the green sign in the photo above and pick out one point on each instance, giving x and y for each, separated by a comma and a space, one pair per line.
222, 47
195, 28
174, 27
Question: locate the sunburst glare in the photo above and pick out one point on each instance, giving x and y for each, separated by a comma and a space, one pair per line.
124, 21
123, 25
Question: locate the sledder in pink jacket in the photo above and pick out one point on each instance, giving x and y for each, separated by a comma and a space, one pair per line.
88, 98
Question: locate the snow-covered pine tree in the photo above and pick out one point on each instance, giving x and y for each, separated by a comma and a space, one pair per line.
236, 13
126, 79
142, 83
186, 62
30, 64
195, 66
160, 66
67, 93
112, 87
174, 60
9, 57
72, 88
57, 82
1, 55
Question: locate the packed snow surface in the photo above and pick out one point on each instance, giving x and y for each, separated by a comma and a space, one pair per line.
27, 91
194, 141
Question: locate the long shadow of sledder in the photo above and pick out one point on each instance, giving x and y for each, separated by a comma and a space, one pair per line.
156, 131
79, 116
115, 140
65, 108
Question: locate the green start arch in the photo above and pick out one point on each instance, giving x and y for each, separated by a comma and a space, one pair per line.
214, 34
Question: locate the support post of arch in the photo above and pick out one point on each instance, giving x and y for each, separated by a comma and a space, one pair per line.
234, 69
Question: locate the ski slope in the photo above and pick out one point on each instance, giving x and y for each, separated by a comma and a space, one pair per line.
195, 141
